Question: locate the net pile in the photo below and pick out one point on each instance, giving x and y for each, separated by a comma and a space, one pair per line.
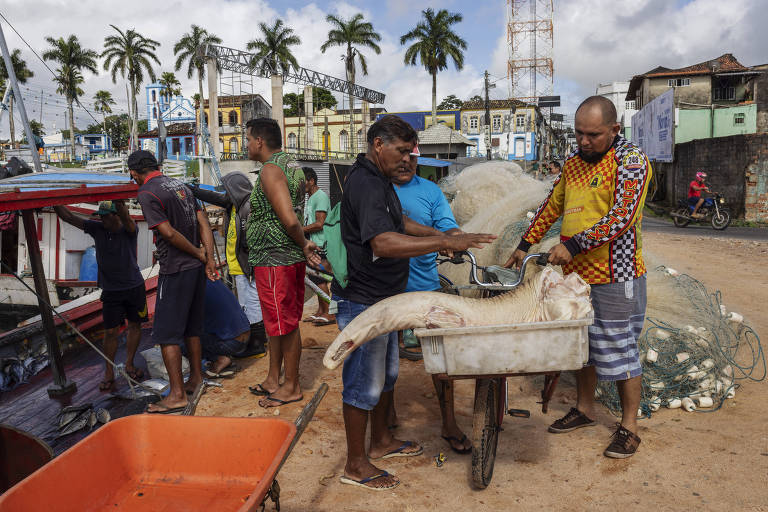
696, 360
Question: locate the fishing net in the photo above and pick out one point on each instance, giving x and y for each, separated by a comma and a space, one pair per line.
698, 349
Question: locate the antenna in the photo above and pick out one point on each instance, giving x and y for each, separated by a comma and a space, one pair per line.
530, 52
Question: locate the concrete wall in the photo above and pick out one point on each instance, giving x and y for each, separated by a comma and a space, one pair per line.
737, 167
761, 98
699, 92
697, 124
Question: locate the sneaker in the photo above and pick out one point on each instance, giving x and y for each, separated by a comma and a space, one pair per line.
571, 421
624, 444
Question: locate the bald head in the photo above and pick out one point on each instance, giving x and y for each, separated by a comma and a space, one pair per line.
600, 104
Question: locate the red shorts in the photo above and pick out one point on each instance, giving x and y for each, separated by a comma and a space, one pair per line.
281, 292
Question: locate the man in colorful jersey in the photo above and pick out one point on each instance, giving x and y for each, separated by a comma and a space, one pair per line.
600, 195
694, 193
278, 252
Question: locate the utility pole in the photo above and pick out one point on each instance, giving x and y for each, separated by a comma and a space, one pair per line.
41, 106
487, 126
17, 95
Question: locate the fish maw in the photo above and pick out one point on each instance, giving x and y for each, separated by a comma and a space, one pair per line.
440, 318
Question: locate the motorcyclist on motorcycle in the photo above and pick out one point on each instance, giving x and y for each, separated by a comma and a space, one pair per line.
694, 193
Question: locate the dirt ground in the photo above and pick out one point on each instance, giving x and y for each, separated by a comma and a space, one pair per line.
686, 461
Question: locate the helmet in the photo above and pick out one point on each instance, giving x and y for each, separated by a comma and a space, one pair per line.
701, 175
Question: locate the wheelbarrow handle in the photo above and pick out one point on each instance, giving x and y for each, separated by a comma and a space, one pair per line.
303, 420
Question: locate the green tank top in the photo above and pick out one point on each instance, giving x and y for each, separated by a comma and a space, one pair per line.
268, 243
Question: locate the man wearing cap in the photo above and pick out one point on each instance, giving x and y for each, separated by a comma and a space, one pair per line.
173, 213
123, 295
694, 193
424, 202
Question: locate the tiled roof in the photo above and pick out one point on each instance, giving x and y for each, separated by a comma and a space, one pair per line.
494, 104
173, 130
442, 134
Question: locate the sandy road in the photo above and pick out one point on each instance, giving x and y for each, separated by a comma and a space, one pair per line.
686, 461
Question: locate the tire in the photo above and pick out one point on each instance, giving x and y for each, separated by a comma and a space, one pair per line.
722, 221
485, 430
681, 222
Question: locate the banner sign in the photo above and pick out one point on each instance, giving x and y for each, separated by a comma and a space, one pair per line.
653, 128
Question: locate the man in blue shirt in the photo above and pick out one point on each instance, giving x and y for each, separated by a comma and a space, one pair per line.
424, 202
226, 329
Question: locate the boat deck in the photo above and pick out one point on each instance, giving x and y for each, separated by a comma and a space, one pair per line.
29, 408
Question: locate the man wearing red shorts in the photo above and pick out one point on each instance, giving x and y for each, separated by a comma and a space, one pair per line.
278, 252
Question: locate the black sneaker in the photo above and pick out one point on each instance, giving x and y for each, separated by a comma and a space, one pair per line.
623, 444
571, 421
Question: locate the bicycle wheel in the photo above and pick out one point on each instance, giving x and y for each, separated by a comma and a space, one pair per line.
485, 430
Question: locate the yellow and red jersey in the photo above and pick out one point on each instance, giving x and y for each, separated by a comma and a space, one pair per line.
602, 208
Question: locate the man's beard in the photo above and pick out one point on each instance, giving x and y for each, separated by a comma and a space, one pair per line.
592, 158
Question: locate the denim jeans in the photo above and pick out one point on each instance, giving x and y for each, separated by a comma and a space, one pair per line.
372, 368
248, 298
213, 347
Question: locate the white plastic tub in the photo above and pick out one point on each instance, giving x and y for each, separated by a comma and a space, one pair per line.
501, 349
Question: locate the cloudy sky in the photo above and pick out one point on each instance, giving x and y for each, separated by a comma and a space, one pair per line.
595, 41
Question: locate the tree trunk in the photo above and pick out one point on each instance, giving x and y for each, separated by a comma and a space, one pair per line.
351, 79
11, 125
434, 99
71, 127
135, 123
200, 113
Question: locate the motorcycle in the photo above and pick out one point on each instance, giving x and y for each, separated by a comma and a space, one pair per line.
713, 210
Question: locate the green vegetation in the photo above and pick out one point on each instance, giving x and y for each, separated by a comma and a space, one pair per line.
22, 74
130, 53
171, 84
187, 49
450, 102
72, 59
352, 34
273, 50
434, 43
321, 98
193, 169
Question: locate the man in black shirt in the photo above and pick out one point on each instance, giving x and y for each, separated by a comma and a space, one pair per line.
123, 295
172, 211
379, 241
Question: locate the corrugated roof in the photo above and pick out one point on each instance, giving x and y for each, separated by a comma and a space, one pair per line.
442, 134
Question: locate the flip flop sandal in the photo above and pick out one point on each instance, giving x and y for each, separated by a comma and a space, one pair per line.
461, 441
310, 318
258, 390
281, 402
321, 320
107, 385
398, 452
362, 482
166, 410
223, 374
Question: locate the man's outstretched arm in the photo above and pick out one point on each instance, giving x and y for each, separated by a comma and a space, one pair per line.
70, 218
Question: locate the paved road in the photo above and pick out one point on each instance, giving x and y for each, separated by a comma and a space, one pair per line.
664, 225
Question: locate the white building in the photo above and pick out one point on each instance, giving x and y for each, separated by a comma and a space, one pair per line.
617, 93
172, 109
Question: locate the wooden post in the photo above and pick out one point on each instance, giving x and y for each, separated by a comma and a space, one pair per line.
61, 386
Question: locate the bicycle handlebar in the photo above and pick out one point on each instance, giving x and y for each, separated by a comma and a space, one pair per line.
541, 258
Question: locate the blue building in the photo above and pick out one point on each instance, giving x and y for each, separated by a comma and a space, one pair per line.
422, 119
173, 110
95, 142
180, 141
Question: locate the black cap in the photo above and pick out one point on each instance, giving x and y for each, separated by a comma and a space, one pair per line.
142, 160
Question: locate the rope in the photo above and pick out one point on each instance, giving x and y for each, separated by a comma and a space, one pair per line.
119, 369
703, 360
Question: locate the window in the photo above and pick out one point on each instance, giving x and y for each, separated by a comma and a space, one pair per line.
520, 122
154, 112
473, 123
496, 127
292, 140
738, 118
189, 147
343, 141
232, 117
221, 119
725, 93
678, 82
154, 98
360, 140
176, 145
233, 145
629, 105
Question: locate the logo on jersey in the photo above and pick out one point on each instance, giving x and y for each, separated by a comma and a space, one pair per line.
595, 181
633, 160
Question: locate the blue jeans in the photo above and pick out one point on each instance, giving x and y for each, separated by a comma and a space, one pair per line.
371, 369
213, 347
248, 298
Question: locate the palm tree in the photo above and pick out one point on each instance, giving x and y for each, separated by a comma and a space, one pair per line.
273, 52
171, 84
22, 74
72, 58
434, 42
130, 54
102, 103
350, 34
